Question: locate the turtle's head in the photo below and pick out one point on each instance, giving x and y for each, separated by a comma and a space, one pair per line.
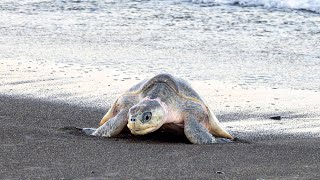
147, 116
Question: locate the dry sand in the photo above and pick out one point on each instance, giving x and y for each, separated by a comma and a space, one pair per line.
33, 145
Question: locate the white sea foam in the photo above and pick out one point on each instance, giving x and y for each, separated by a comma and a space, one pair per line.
310, 5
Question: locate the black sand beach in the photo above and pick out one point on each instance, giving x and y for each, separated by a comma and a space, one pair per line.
33, 146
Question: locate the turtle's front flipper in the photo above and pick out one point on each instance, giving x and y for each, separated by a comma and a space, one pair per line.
196, 133
113, 126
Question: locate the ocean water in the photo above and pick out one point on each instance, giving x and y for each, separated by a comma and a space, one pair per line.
244, 56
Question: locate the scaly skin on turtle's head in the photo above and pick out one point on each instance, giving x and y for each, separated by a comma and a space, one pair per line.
147, 116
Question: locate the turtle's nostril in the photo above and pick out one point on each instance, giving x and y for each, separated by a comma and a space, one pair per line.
133, 119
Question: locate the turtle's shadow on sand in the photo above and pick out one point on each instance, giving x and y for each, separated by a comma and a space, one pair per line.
160, 136
125, 135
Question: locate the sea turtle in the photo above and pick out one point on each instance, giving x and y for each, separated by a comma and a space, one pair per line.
166, 101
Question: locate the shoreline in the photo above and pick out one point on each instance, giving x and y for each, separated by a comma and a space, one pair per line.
35, 147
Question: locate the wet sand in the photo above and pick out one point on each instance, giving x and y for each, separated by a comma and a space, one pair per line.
33, 145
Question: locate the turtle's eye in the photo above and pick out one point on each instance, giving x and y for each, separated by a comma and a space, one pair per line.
146, 117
